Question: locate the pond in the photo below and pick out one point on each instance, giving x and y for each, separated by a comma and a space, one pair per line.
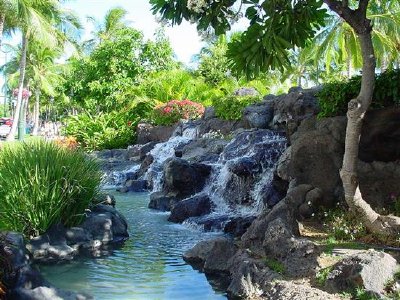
148, 266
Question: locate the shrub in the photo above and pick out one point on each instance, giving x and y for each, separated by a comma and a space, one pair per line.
231, 107
175, 110
42, 184
334, 96
111, 130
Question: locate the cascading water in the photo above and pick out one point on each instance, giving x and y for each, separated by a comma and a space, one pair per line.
160, 153
240, 181
245, 170
115, 179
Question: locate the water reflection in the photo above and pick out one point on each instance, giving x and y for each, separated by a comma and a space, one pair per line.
148, 266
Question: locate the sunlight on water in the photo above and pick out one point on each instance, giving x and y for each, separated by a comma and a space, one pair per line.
149, 265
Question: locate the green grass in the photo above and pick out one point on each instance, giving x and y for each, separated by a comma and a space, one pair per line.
275, 265
42, 184
322, 275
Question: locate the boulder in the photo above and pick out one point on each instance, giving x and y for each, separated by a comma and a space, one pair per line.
370, 270
183, 178
249, 277
198, 205
136, 185
316, 156
212, 255
119, 225
103, 225
46, 293
148, 133
287, 290
203, 150
291, 108
244, 166
160, 201
23, 281
258, 115
238, 226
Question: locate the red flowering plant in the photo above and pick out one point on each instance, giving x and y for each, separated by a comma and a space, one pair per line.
175, 110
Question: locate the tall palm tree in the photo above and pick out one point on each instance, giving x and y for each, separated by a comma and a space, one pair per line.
37, 19
337, 43
113, 20
43, 75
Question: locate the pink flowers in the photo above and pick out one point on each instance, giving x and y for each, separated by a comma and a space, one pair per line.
175, 110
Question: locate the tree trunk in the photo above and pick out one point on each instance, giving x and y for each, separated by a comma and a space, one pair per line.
19, 107
357, 19
357, 108
35, 129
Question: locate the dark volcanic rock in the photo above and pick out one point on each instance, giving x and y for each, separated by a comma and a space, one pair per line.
160, 201
148, 133
212, 255
23, 281
136, 185
244, 166
192, 207
258, 115
380, 136
104, 225
238, 226
183, 178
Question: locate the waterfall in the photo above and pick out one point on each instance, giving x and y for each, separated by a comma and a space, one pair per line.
252, 155
114, 179
160, 153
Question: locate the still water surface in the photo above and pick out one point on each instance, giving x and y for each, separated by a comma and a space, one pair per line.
149, 265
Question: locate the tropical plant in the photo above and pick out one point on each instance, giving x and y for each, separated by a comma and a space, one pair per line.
115, 129
277, 26
36, 19
175, 110
113, 21
337, 44
333, 96
50, 184
213, 62
231, 107
106, 79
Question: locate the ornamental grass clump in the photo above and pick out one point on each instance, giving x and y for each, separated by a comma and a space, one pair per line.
42, 184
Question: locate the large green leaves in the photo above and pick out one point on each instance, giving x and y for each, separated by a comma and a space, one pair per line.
276, 26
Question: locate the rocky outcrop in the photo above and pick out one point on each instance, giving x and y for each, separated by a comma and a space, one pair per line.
198, 205
370, 270
316, 153
286, 290
205, 150
275, 234
147, 133
283, 112
380, 136
184, 178
103, 226
22, 280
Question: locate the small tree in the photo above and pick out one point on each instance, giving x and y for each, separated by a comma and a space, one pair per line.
276, 26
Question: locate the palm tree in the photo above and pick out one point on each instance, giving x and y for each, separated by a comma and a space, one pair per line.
37, 19
113, 20
43, 75
337, 43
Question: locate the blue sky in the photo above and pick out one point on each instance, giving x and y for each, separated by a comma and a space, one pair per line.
184, 38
